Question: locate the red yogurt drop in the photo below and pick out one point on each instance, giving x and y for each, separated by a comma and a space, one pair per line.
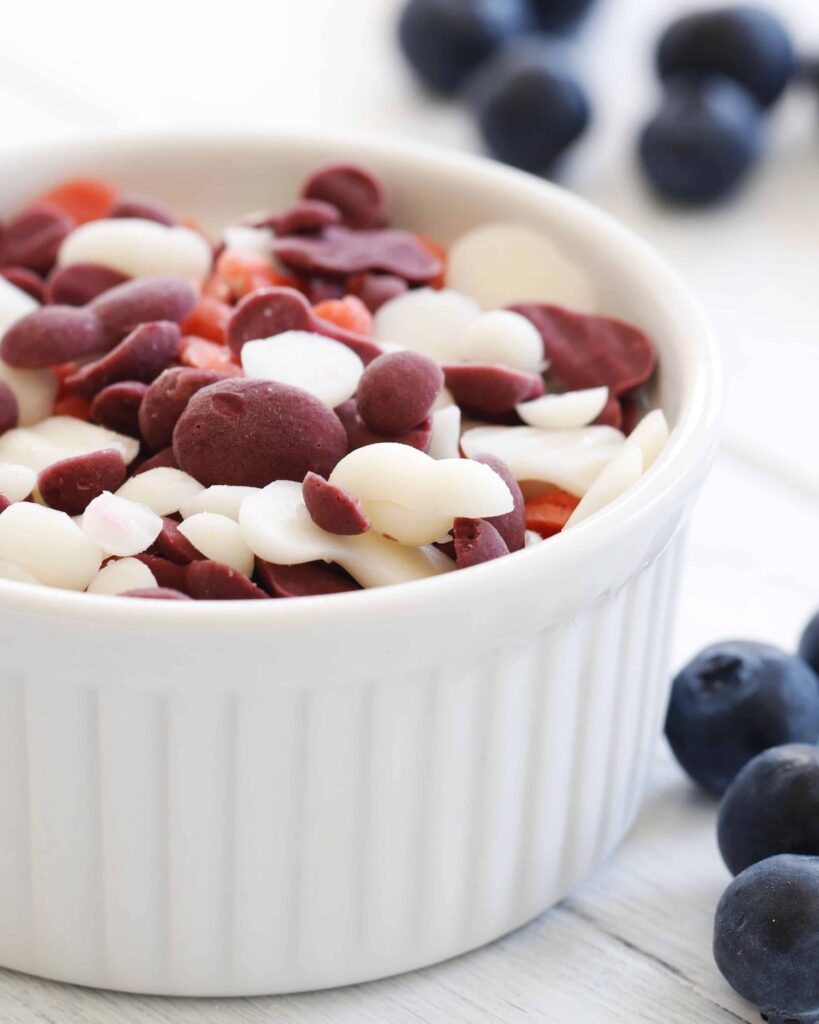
332, 508
81, 283
587, 351
70, 485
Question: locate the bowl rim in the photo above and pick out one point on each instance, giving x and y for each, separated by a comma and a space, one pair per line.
692, 441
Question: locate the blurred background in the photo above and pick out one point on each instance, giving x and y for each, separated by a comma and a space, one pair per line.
335, 64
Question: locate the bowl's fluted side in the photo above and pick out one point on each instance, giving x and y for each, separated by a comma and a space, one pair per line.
236, 841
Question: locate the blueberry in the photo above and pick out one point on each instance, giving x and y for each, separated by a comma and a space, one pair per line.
766, 940
735, 700
771, 807
745, 43
809, 644
529, 108
446, 40
556, 15
702, 141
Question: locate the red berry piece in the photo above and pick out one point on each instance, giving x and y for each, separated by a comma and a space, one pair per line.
164, 459
332, 508
71, 484
397, 391
33, 238
142, 356
131, 204
271, 311
255, 431
117, 406
476, 541
215, 581
339, 251
9, 409
26, 280
376, 289
305, 215
307, 580
357, 192
81, 283
174, 545
359, 434
589, 351
491, 390
157, 594
141, 301
166, 399
166, 573
511, 525
52, 335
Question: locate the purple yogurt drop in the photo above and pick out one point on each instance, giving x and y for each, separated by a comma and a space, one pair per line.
71, 484
117, 406
357, 192
9, 409
251, 432
489, 389
141, 301
587, 351
359, 434
308, 580
81, 283
172, 544
166, 399
511, 525
52, 335
332, 508
26, 280
397, 391
476, 541
376, 289
33, 238
215, 581
339, 251
141, 356
157, 594
271, 311
132, 204
304, 215
166, 573
164, 459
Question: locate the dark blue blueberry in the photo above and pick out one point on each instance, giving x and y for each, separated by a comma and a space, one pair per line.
745, 43
766, 939
771, 807
735, 700
446, 40
529, 108
809, 644
703, 140
557, 15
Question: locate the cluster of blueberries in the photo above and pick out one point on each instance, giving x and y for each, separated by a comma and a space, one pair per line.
744, 723
721, 70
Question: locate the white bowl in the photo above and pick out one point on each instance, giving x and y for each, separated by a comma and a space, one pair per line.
257, 797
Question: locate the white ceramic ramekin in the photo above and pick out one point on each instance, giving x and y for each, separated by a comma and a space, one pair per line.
234, 798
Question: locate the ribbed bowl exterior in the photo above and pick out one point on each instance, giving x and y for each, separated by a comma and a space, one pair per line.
231, 842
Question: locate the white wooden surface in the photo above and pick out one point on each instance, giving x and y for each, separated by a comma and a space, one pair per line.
634, 942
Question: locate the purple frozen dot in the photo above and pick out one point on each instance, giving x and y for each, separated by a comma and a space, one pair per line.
511, 525
33, 238
142, 356
166, 573
71, 484
397, 391
376, 289
166, 400
141, 301
26, 280
52, 335
215, 581
173, 545
304, 215
476, 541
157, 594
359, 434
9, 409
308, 580
81, 283
491, 389
117, 406
332, 508
356, 191
132, 204
164, 459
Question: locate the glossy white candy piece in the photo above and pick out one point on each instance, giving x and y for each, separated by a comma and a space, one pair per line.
411, 526
503, 338
278, 528
61, 437
120, 527
16, 482
138, 248
569, 459
446, 433
12, 571
252, 241
499, 264
448, 487
564, 412
624, 470
443, 401
224, 499
220, 539
427, 321
35, 391
650, 435
121, 575
49, 545
320, 366
14, 304
164, 490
